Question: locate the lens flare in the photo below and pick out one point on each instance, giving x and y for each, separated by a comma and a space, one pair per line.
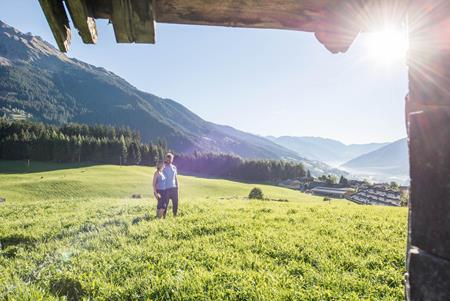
387, 46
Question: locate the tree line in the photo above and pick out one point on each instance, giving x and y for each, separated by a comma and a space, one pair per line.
26, 140
21, 140
233, 167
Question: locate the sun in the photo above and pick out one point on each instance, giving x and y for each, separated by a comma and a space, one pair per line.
387, 46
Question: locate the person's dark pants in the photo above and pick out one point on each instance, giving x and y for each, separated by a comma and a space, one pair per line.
171, 194
161, 200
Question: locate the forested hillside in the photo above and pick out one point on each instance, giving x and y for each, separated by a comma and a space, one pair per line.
44, 84
75, 143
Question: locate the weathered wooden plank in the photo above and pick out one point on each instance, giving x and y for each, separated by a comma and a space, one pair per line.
82, 17
133, 21
121, 21
304, 15
143, 21
276, 14
58, 21
335, 22
428, 116
428, 278
102, 9
335, 30
429, 146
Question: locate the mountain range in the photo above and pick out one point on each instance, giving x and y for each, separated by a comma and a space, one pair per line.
40, 83
374, 161
329, 151
388, 163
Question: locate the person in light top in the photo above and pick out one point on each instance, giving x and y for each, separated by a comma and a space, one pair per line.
159, 190
171, 191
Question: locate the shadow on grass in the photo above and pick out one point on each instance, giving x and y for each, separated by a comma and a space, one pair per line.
67, 287
10, 244
16, 239
20, 167
145, 217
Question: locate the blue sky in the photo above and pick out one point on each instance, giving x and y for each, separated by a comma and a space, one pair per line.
267, 82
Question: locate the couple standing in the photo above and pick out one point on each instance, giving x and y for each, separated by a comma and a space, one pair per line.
165, 186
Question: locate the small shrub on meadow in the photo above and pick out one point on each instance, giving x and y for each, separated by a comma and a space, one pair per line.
256, 193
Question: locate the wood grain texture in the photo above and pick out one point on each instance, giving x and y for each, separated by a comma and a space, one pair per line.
83, 19
428, 118
133, 21
335, 22
58, 21
285, 14
102, 9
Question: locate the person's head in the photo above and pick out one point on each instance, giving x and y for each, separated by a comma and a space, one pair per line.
169, 158
159, 165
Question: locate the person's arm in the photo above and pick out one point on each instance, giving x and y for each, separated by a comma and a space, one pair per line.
176, 177
155, 177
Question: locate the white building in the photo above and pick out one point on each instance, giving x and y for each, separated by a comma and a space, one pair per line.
376, 196
331, 191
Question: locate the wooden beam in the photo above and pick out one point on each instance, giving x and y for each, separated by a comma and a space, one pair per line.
276, 14
304, 15
428, 117
335, 22
335, 30
59, 23
102, 8
133, 21
82, 17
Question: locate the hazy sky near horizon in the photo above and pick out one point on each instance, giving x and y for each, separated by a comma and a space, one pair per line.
267, 82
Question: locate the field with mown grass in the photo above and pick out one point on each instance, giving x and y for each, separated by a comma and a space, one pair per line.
71, 232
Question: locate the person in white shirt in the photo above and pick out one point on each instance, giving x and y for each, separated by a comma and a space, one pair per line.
171, 184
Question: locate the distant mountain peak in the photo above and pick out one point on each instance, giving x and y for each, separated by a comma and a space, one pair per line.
326, 150
18, 46
389, 162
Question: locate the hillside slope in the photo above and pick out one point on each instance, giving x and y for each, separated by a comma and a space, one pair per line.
38, 81
390, 161
74, 233
329, 151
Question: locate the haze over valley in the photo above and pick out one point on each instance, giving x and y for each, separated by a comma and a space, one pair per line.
38, 82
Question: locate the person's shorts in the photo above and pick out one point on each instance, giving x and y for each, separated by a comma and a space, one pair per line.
171, 194
162, 204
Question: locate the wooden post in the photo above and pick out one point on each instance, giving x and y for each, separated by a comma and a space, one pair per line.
428, 117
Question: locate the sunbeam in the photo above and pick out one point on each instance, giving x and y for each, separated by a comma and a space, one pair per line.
387, 46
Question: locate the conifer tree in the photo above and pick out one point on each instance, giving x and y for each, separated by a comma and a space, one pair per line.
124, 150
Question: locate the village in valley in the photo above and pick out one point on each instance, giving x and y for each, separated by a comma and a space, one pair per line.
357, 191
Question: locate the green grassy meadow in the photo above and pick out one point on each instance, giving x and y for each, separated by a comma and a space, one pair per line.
71, 232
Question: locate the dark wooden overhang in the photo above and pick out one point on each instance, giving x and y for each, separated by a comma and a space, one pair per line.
334, 22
